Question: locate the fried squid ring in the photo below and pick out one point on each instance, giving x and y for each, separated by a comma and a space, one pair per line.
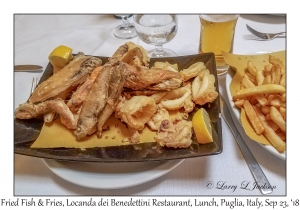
137, 111
192, 71
203, 88
178, 98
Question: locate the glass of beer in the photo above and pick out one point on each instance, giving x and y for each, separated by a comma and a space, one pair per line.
217, 34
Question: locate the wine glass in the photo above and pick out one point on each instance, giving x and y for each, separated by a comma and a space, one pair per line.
126, 30
156, 30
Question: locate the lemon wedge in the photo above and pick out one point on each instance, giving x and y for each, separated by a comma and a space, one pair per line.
202, 126
60, 56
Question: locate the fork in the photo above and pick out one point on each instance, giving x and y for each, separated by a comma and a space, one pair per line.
34, 83
266, 36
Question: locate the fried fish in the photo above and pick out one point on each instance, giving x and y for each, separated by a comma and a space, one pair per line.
73, 74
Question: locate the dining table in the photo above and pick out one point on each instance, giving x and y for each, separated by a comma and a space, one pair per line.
223, 174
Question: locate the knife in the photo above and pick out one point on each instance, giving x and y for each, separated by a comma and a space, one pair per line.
259, 176
27, 68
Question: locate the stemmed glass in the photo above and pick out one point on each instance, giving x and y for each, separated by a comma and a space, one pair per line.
156, 30
126, 30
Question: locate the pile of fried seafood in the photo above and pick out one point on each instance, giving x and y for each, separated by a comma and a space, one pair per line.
86, 92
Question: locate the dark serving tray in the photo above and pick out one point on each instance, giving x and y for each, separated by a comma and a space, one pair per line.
26, 131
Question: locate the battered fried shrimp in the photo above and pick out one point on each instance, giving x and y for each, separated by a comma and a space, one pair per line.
176, 135
138, 78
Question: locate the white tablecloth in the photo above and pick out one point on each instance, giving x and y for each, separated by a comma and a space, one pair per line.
37, 35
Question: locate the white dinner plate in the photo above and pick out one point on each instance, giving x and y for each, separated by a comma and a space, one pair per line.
110, 175
236, 112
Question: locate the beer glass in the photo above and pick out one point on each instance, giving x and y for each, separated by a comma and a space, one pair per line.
217, 35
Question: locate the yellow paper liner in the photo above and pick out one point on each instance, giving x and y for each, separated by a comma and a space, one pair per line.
55, 135
239, 64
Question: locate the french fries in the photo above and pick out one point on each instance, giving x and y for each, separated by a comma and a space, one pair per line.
261, 89
275, 61
263, 97
277, 118
260, 77
252, 69
269, 133
253, 118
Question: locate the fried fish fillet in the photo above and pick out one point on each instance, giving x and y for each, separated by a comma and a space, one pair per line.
81, 92
95, 100
94, 103
73, 74
29, 110
114, 91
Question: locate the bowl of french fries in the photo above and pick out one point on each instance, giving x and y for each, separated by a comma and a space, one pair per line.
256, 90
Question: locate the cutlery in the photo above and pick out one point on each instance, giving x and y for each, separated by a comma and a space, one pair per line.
258, 174
265, 36
27, 68
34, 84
